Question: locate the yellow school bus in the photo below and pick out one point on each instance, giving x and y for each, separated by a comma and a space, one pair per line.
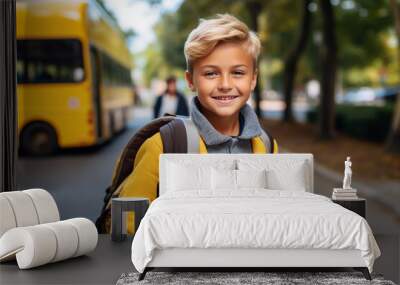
73, 73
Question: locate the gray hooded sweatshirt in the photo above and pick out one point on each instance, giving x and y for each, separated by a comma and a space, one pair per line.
219, 143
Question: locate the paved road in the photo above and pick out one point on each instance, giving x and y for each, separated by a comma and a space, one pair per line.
77, 180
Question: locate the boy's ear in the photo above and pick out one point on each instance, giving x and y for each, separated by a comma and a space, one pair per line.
254, 80
189, 80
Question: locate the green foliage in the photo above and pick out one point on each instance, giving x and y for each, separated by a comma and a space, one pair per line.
174, 28
364, 122
156, 67
358, 32
282, 21
361, 28
154, 64
171, 38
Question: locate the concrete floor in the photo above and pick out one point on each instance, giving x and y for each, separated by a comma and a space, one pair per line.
78, 178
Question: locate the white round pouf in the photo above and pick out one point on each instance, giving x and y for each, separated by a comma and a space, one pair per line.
31, 232
40, 244
87, 234
45, 205
7, 218
23, 208
33, 246
67, 240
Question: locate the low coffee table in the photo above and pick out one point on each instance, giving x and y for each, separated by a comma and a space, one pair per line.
104, 265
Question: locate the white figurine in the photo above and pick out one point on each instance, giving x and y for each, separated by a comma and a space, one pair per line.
347, 174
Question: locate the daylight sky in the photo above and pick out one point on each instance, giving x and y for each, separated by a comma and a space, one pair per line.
140, 16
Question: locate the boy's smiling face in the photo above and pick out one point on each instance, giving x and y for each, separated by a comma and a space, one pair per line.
223, 79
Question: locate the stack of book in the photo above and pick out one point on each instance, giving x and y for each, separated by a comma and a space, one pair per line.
344, 194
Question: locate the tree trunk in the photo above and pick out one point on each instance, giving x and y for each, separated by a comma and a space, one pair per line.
328, 78
292, 60
254, 8
393, 139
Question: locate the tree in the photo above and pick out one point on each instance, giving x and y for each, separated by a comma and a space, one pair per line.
293, 58
254, 9
393, 140
328, 76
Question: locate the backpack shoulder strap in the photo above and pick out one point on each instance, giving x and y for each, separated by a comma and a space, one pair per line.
268, 141
173, 136
180, 136
127, 158
192, 135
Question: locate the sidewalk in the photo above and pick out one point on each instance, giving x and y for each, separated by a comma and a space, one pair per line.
375, 173
387, 193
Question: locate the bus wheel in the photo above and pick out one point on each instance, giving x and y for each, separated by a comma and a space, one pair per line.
39, 139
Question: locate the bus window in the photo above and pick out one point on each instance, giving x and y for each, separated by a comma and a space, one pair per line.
114, 73
49, 61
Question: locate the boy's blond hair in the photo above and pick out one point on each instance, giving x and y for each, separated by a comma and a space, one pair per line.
223, 28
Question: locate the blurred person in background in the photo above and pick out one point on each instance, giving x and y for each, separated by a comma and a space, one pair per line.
171, 101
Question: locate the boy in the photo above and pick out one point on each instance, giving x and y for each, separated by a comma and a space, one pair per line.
221, 55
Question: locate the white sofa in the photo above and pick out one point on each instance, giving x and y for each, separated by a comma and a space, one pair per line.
31, 231
186, 179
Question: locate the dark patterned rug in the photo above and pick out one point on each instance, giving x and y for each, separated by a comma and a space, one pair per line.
229, 278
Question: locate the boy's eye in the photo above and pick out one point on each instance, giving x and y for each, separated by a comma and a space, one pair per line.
210, 74
238, 72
